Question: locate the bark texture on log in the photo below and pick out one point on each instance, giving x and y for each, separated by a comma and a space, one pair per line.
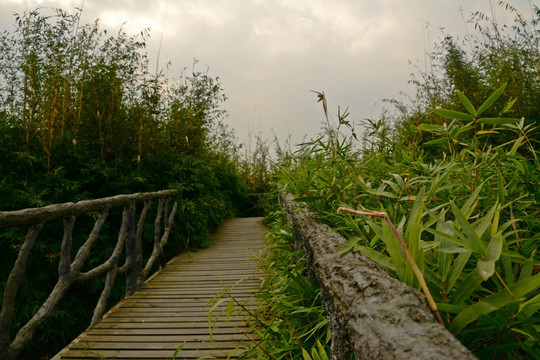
374, 313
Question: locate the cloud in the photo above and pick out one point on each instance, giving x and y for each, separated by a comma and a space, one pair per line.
269, 54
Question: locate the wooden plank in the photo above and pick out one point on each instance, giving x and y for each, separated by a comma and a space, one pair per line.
171, 308
165, 338
140, 354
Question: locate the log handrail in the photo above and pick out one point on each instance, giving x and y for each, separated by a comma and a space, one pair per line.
69, 271
370, 313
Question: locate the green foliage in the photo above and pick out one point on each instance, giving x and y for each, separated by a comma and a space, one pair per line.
468, 218
82, 117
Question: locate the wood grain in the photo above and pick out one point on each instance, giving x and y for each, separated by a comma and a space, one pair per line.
171, 309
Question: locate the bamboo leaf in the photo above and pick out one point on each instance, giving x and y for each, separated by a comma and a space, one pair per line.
467, 207
494, 248
230, 309
347, 245
308, 198
178, 349
500, 188
430, 127
442, 140
393, 248
490, 100
305, 354
456, 270
413, 233
508, 106
470, 108
382, 193
470, 233
452, 114
494, 302
376, 256
453, 250
526, 270
468, 285
516, 145
497, 121
531, 306
485, 222
484, 132
322, 351
486, 268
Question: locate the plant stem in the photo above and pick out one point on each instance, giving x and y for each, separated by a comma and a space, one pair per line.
258, 345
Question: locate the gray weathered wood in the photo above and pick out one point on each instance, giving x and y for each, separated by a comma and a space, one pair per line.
59, 211
16, 276
170, 308
69, 271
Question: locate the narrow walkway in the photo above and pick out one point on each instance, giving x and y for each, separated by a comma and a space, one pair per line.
169, 309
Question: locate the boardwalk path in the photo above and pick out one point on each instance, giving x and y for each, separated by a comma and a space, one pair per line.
169, 309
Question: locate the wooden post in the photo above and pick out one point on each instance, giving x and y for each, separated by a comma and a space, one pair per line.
16, 276
127, 230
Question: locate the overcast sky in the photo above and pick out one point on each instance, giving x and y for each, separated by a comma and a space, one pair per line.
269, 54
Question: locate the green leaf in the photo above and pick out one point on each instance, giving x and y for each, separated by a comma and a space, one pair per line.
456, 270
467, 208
322, 351
508, 106
531, 306
376, 256
430, 127
382, 193
494, 302
484, 132
452, 114
500, 187
444, 258
393, 247
308, 198
305, 354
497, 121
484, 223
476, 244
526, 270
490, 100
486, 268
178, 349
470, 108
468, 285
442, 140
347, 245
494, 248
230, 309
413, 234
516, 145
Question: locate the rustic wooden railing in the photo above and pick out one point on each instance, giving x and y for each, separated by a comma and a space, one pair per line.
371, 314
70, 271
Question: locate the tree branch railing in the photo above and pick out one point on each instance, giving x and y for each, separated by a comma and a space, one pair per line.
70, 272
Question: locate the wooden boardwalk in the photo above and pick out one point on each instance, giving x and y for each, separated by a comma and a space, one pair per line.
169, 309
